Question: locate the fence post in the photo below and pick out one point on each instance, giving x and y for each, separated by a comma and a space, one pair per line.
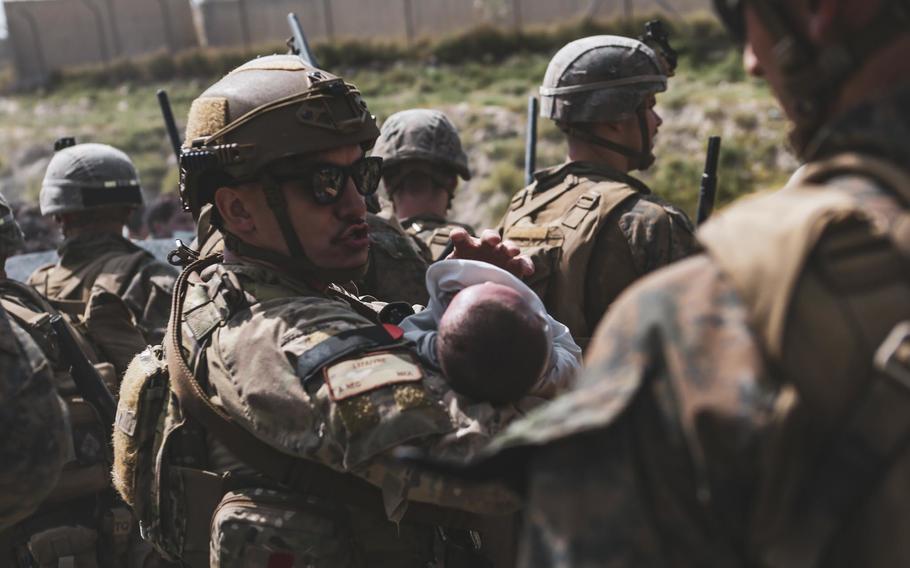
328, 19
629, 10
408, 20
166, 24
244, 24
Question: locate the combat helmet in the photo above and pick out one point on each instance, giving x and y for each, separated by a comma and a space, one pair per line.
813, 76
424, 135
266, 112
81, 177
606, 78
11, 237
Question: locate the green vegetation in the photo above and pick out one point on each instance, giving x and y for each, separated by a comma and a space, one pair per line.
480, 78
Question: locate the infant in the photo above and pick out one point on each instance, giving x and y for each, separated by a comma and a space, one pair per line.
490, 335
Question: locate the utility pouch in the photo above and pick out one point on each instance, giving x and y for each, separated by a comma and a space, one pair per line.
72, 546
260, 527
143, 396
544, 244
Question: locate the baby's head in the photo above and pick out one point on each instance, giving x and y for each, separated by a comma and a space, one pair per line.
492, 344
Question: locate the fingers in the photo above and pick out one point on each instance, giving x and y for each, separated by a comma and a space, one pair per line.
511, 248
459, 235
490, 238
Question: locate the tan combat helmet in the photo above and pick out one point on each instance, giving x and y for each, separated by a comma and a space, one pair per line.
11, 237
262, 114
420, 135
603, 79
813, 76
82, 177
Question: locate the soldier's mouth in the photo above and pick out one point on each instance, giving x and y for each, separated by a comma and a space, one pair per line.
356, 236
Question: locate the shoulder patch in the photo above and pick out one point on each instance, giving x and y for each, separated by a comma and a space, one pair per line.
363, 374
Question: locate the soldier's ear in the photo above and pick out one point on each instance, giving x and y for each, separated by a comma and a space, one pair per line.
232, 208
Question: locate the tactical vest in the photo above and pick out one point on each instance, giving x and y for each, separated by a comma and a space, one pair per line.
433, 232
91, 298
195, 515
824, 276
561, 248
82, 520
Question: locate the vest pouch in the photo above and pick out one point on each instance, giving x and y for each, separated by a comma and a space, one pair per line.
64, 546
143, 396
260, 527
110, 325
544, 246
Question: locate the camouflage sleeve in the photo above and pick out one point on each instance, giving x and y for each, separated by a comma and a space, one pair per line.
647, 235
282, 373
658, 441
33, 420
148, 296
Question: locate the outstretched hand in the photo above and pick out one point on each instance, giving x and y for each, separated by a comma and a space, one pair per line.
490, 248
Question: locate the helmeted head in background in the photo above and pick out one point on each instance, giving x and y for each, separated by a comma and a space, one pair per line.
283, 145
86, 184
606, 79
11, 237
422, 160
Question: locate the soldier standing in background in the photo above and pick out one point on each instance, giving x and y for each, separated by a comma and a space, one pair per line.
422, 161
91, 189
590, 227
751, 406
36, 436
293, 391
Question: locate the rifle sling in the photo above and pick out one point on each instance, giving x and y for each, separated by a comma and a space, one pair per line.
299, 474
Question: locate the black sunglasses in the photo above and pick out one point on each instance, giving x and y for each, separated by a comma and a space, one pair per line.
731, 14
327, 181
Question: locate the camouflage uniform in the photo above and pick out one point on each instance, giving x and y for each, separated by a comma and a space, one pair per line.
88, 177
424, 140
592, 230
289, 393
731, 413
35, 430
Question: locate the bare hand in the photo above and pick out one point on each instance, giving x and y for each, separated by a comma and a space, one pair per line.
490, 248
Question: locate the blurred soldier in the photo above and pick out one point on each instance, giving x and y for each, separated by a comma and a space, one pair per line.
590, 227
273, 451
751, 406
90, 189
166, 219
422, 161
82, 519
35, 440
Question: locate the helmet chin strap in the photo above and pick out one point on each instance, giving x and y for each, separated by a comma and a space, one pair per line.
296, 262
641, 158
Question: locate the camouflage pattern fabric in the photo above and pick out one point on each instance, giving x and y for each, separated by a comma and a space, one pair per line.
433, 231
396, 267
279, 352
683, 433
597, 254
35, 431
85, 264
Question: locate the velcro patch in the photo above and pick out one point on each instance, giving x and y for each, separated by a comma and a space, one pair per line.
354, 377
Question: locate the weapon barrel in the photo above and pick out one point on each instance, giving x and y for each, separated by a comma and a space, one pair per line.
301, 45
531, 141
90, 384
708, 191
170, 125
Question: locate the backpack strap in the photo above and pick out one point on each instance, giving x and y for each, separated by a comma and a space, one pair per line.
299, 474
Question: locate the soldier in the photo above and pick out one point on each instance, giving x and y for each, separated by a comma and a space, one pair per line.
750, 406
91, 189
422, 161
590, 227
35, 432
82, 518
272, 452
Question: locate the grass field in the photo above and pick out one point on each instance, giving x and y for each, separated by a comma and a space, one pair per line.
485, 97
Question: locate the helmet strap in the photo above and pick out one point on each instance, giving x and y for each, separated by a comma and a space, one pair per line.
641, 158
296, 262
